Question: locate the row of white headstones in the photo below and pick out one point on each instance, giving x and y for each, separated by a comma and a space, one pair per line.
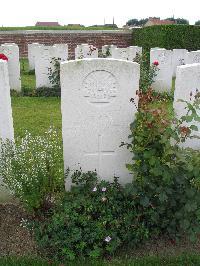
96, 111
40, 58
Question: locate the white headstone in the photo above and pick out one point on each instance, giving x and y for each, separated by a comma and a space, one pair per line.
43, 59
128, 53
61, 51
120, 53
6, 121
96, 115
32, 53
12, 52
163, 81
86, 51
187, 84
134, 51
179, 57
193, 57
107, 50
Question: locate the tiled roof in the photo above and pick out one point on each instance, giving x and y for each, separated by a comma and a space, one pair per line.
47, 24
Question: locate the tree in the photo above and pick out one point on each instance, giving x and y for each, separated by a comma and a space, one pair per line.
197, 23
136, 22
179, 20
133, 22
182, 21
143, 21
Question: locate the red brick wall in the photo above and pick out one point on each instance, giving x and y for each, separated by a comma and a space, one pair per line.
72, 38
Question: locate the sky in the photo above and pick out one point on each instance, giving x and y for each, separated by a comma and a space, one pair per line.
88, 12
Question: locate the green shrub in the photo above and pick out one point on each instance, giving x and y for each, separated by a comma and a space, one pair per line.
147, 72
94, 219
32, 169
168, 36
47, 92
166, 177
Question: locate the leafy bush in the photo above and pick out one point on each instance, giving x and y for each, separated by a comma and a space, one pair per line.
147, 72
94, 219
166, 177
32, 169
168, 36
47, 92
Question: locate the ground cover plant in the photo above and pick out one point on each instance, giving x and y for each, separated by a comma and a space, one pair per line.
180, 260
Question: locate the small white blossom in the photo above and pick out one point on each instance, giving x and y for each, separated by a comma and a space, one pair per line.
103, 189
104, 199
94, 189
108, 239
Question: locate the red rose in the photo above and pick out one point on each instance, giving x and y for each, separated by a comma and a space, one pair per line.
155, 63
3, 57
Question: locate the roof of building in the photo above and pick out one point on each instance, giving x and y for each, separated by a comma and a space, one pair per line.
158, 21
47, 24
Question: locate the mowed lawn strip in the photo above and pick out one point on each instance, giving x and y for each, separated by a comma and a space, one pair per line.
36, 115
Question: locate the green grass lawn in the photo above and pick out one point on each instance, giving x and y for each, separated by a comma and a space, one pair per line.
181, 260
59, 28
35, 114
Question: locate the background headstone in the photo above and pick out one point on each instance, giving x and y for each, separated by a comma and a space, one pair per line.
107, 50
193, 57
43, 59
32, 53
163, 80
179, 57
120, 53
86, 51
134, 51
96, 115
187, 84
12, 52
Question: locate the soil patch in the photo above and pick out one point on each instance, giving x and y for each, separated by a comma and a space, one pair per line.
14, 238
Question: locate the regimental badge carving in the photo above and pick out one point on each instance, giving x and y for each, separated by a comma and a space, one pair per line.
100, 87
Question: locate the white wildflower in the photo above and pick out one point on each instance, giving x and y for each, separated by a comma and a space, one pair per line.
108, 239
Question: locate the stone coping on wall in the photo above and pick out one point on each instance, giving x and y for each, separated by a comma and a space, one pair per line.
65, 31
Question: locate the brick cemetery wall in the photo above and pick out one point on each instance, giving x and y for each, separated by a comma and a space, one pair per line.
98, 38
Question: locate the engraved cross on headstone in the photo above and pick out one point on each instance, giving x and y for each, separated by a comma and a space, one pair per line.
100, 153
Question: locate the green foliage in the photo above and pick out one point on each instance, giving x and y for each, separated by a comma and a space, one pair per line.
197, 23
47, 92
168, 36
32, 169
94, 219
166, 177
147, 72
136, 22
54, 74
179, 20
185, 258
